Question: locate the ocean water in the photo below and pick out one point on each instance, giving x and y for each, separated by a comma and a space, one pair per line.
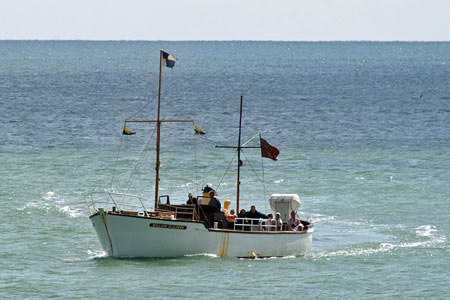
363, 130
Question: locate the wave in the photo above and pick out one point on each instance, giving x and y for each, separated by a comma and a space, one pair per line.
421, 231
318, 218
92, 255
425, 230
202, 254
51, 202
72, 212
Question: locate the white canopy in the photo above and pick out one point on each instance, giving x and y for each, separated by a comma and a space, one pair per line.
284, 204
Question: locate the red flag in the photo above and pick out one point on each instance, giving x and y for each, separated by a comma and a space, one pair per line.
269, 151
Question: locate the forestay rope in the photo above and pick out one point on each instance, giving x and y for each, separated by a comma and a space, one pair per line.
226, 171
257, 176
137, 160
139, 157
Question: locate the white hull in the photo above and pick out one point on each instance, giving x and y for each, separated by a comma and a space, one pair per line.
140, 236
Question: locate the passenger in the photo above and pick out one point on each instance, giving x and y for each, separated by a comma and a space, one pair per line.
270, 223
278, 222
231, 216
293, 222
214, 201
241, 217
192, 199
300, 227
254, 214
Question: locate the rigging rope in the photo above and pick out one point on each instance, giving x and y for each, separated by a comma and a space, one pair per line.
253, 169
264, 186
257, 176
196, 166
139, 158
115, 165
226, 171
146, 103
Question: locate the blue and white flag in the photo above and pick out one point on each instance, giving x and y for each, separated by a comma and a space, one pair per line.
168, 60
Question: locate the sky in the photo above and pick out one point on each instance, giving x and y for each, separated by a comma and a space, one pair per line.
278, 20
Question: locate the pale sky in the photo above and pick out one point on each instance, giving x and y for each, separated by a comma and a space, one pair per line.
280, 20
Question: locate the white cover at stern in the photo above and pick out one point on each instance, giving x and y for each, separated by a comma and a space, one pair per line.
284, 204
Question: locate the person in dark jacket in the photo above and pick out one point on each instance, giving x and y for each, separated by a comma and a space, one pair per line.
254, 214
192, 199
214, 201
241, 217
241, 213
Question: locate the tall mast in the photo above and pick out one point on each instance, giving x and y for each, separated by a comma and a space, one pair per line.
239, 158
169, 62
158, 131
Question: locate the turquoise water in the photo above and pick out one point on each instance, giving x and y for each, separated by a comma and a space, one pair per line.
363, 130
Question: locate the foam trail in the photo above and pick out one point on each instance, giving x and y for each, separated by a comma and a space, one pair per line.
425, 230
382, 247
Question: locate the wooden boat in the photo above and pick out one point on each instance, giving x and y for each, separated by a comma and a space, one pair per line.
126, 228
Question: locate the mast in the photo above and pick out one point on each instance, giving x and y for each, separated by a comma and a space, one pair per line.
239, 158
169, 62
158, 131
239, 147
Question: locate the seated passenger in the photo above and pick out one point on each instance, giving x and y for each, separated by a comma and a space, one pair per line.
278, 222
293, 222
191, 199
231, 216
300, 227
241, 220
214, 201
254, 214
270, 223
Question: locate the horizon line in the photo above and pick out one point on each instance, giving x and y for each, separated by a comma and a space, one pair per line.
286, 41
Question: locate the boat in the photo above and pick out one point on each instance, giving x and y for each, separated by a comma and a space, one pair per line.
127, 229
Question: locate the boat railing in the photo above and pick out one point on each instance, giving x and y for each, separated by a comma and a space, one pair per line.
173, 211
250, 224
118, 202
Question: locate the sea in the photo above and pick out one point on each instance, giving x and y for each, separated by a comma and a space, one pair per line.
363, 130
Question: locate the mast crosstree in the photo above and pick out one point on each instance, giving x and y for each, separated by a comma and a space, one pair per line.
162, 56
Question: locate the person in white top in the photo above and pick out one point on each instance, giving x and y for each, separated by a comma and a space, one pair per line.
279, 222
294, 223
270, 223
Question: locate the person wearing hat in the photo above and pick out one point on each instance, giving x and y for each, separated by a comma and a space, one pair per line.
214, 201
279, 222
